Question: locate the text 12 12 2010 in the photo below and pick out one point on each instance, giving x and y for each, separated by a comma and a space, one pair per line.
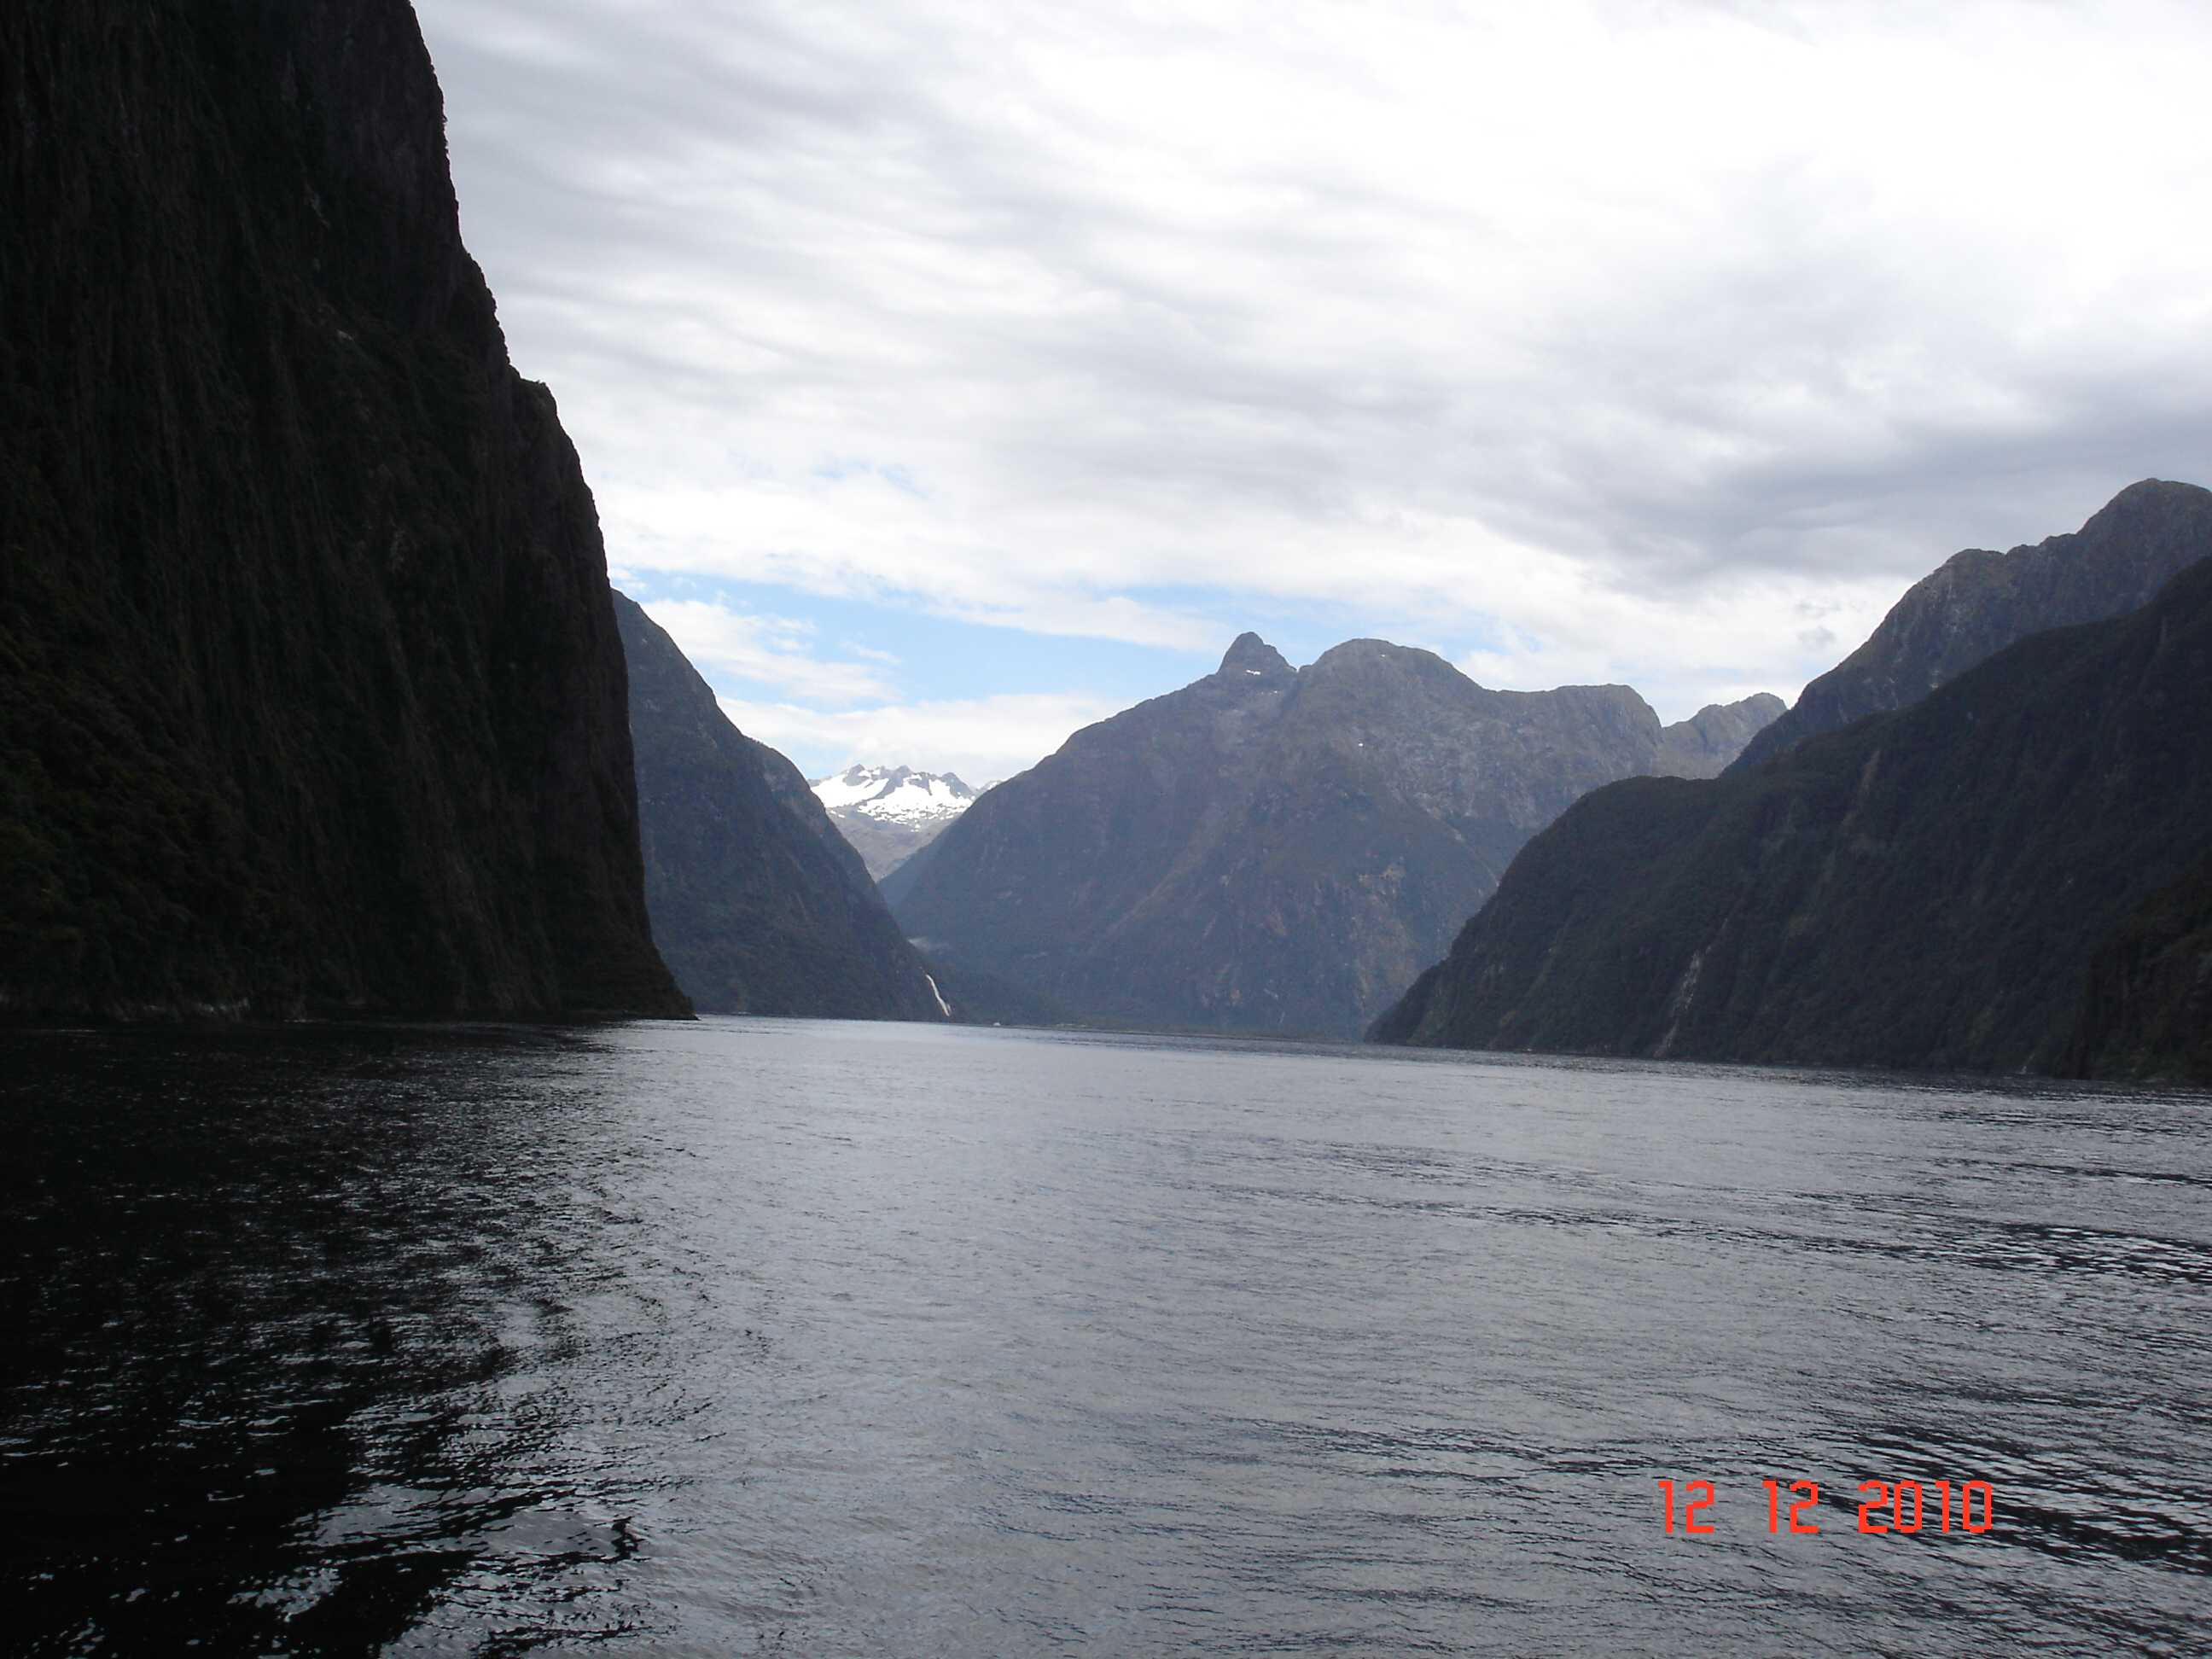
1897, 1506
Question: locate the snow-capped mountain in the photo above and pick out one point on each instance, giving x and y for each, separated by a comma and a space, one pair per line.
896, 794
891, 813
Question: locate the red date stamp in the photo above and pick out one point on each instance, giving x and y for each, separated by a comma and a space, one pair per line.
1905, 1506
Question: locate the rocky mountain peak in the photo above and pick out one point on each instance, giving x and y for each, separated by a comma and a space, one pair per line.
895, 792
1360, 655
1263, 850
1703, 745
2036, 895
1978, 602
1252, 655
2148, 497
889, 813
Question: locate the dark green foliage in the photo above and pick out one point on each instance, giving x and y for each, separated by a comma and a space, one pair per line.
310, 695
757, 903
2148, 1009
2009, 875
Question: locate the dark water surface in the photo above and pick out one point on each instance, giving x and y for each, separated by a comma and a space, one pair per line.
766, 1337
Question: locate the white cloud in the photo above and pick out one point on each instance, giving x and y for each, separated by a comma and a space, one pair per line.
864, 538
1650, 339
1706, 644
723, 643
983, 738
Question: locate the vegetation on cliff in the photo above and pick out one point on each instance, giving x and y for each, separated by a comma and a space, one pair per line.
2009, 875
2147, 1009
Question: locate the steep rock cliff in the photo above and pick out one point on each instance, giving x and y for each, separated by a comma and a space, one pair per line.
310, 693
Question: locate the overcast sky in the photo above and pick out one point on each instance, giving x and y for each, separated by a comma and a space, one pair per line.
950, 376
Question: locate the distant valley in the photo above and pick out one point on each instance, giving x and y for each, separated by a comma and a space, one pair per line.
758, 904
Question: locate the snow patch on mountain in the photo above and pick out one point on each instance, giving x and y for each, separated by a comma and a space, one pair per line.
896, 794
891, 813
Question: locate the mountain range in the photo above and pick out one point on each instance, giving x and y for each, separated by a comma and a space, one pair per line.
314, 700
1271, 848
2011, 871
889, 813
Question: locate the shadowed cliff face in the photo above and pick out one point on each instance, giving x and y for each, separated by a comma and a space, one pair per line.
2146, 1010
758, 903
2009, 875
1979, 602
1269, 849
310, 692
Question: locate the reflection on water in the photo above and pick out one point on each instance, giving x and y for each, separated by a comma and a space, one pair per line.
784, 1338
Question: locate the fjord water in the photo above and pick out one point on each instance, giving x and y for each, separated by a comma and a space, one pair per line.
769, 1337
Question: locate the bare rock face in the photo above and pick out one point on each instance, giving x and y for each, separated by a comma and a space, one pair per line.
1703, 745
1269, 849
1980, 602
311, 697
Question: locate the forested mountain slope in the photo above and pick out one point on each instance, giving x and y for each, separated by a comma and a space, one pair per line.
2009, 875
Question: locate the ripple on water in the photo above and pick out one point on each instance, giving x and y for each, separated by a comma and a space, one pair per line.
766, 1337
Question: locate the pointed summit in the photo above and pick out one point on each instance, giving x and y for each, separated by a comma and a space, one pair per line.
1978, 602
1252, 655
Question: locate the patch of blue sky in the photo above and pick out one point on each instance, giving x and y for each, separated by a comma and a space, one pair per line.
838, 468
931, 658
